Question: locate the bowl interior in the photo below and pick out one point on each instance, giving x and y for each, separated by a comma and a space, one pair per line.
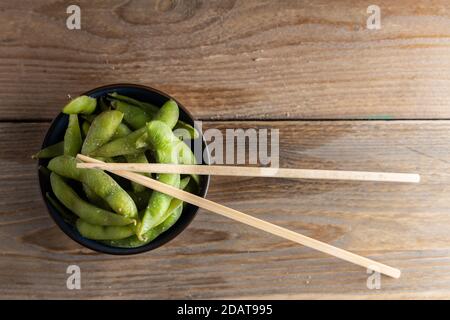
56, 133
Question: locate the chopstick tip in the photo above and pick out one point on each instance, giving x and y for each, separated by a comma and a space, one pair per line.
396, 274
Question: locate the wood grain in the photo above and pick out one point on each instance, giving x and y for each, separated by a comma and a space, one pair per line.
403, 225
230, 62
232, 59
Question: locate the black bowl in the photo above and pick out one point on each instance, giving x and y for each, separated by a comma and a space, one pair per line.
56, 133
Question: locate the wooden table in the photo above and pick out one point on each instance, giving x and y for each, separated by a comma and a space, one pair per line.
343, 97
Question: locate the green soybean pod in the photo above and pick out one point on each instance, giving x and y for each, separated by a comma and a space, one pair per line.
159, 135
141, 198
100, 182
81, 104
137, 158
185, 131
124, 183
110, 190
96, 232
134, 116
85, 129
88, 117
52, 151
158, 204
65, 166
152, 234
123, 146
161, 138
86, 211
192, 187
173, 214
122, 131
184, 182
168, 113
149, 108
94, 198
163, 135
186, 156
72, 137
101, 130
174, 204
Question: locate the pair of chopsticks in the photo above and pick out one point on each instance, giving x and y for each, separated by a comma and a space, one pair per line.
125, 170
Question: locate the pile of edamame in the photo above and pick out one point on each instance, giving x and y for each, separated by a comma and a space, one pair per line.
117, 128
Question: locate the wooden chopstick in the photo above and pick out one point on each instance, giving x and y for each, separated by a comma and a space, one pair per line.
252, 221
257, 172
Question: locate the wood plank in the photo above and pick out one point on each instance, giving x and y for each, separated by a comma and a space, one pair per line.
407, 226
232, 59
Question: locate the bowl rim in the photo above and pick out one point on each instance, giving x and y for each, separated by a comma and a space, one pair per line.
165, 237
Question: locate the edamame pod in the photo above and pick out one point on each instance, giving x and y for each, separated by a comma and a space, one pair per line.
101, 130
186, 156
173, 214
158, 204
54, 150
192, 187
133, 241
174, 204
65, 166
81, 104
185, 131
86, 211
122, 131
184, 182
141, 198
96, 232
134, 116
85, 129
161, 138
88, 117
161, 134
100, 182
123, 146
94, 198
168, 114
72, 137
149, 108
137, 158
